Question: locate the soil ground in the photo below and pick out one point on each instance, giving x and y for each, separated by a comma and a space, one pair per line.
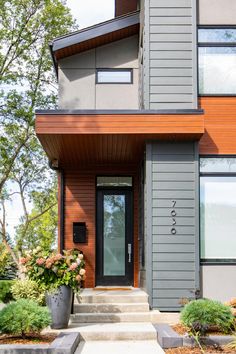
32, 339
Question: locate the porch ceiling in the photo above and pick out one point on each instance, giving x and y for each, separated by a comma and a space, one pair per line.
102, 138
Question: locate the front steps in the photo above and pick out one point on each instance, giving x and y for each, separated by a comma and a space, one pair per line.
109, 306
116, 331
116, 321
114, 306
130, 295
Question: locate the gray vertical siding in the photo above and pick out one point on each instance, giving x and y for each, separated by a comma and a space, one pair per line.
172, 187
170, 54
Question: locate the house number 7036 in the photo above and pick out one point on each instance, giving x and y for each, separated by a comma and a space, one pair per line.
173, 214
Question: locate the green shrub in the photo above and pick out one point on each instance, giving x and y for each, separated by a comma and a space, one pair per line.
23, 317
28, 289
205, 313
5, 290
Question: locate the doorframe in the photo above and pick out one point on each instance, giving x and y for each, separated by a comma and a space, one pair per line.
128, 282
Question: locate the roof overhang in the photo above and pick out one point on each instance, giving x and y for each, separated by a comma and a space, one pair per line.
82, 138
92, 37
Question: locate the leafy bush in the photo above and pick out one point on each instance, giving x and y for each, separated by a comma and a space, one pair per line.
28, 289
5, 290
205, 313
23, 317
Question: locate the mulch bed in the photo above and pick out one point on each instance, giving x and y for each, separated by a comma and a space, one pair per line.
32, 339
182, 330
208, 350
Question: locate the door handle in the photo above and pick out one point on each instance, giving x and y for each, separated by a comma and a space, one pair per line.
129, 252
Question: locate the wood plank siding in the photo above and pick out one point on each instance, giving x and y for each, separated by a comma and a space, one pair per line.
172, 223
80, 205
220, 125
119, 124
169, 57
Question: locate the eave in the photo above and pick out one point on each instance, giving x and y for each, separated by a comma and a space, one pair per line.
94, 36
82, 138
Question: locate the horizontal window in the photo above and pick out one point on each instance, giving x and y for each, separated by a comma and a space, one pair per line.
110, 181
114, 76
220, 35
217, 70
218, 217
218, 165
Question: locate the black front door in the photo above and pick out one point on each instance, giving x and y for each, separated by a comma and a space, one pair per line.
114, 243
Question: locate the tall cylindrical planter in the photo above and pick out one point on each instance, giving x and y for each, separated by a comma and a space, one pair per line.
59, 304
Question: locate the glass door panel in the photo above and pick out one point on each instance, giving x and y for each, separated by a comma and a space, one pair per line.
114, 234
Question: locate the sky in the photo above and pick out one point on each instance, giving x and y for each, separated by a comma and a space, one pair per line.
87, 13
90, 12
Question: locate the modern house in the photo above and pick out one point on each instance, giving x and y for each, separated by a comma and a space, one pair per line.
144, 142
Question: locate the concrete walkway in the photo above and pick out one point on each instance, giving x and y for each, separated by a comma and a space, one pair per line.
118, 347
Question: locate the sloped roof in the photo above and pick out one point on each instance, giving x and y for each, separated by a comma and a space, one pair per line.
94, 36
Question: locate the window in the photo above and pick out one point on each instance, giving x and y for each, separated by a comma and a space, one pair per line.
218, 209
114, 181
217, 61
114, 76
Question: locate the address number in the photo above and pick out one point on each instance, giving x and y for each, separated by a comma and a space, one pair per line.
173, 214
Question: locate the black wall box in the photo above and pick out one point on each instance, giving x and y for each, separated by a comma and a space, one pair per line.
79, 232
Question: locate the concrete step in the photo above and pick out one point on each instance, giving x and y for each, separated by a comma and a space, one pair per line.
115, 331
90, 296
153, 316
110, 317
117, 347
111, 308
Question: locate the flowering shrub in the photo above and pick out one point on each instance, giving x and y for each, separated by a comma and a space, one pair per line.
56, 269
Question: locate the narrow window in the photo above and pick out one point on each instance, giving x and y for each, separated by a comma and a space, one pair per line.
109, 181
114, 76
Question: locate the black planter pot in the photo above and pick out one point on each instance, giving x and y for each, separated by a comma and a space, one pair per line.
59, 304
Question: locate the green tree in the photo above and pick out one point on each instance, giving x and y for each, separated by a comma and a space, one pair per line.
41, 226
27, 83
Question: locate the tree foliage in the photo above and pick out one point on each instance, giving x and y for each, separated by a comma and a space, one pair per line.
40, 226
27, 83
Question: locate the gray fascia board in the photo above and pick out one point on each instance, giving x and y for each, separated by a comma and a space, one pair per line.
120, 111
95, 31
55, 66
